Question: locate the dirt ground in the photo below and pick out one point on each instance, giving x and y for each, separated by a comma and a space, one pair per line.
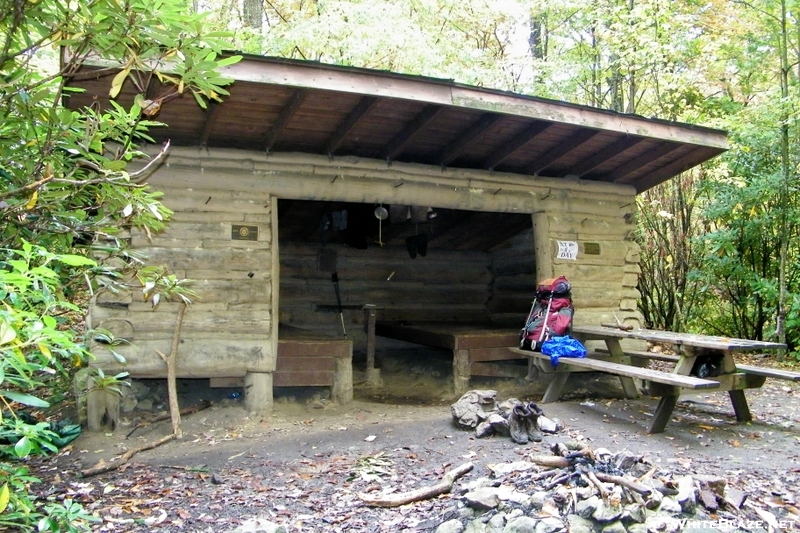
302, 465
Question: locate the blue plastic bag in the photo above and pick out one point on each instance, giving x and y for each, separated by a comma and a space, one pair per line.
564, 346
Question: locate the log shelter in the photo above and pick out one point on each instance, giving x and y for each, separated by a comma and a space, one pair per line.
315, 190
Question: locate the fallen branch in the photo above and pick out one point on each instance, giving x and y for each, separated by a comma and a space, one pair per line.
396, 500
636, 487
103, 467
205, 404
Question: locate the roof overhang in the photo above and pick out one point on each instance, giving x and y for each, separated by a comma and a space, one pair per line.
282, 105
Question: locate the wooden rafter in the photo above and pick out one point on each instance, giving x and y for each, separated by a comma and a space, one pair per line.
338, 136
693, 158
520, 140
466, 138
621, 172
283, 119
560, 151
609, 152
412, 129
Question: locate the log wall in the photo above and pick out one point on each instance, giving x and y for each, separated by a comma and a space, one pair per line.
228, 329
231, 327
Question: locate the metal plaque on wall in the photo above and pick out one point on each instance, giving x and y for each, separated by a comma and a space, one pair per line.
244, 233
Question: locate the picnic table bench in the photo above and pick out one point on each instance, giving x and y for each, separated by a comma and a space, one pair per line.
668, 386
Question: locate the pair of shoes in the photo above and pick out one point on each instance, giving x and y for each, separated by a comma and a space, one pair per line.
523, 423
417, 244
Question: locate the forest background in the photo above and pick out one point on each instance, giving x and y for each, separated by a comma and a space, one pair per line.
719, 243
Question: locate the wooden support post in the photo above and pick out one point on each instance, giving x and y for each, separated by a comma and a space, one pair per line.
102, 409
258, 391
342, 386
460, 371
372, 374
553, 391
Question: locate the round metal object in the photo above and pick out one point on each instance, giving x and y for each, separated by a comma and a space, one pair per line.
381, 213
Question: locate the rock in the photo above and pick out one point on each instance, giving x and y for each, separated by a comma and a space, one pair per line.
606, 512
508, 493
654, 500
483, 498
625, 460
547, 425
484, 429
714, 483
614, 527
451, 526
521, 524
687, 494
216, 479
259, 525
586, 508
501, 469
537, 499
578, 524
549, 525
496, 523
658, 523
139, 389
670, 505
634, 512
499, 425
637, 528
476, 526
146, 404
708, 499
128, 400
734, 497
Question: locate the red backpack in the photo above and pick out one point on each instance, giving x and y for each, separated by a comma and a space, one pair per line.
551, 314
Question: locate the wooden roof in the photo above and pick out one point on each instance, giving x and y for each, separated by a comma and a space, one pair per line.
281, 105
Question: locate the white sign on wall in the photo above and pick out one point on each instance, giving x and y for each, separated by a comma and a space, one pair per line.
567, 250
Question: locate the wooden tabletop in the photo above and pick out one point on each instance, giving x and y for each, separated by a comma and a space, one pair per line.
593, 332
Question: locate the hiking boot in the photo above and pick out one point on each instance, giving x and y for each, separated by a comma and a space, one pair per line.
518, 423
534, 434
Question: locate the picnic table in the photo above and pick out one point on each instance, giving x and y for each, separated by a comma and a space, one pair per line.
668, 386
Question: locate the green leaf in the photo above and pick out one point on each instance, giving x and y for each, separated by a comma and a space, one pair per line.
23, 447
5, 496
25, 399
76, 260
7, 333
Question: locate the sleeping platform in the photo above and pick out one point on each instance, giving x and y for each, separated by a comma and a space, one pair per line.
479, 349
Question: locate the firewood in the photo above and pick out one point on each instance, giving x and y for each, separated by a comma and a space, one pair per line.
396, 500
632, 485
552, 461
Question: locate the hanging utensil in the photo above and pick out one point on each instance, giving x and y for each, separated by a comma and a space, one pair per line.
381, 214
335, 280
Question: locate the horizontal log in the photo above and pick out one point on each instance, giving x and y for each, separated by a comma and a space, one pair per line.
203, 259
195, 320
498, 370
197, 357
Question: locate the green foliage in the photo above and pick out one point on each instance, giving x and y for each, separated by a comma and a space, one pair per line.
66, 185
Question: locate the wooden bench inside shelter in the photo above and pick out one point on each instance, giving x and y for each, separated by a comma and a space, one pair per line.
479, 349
